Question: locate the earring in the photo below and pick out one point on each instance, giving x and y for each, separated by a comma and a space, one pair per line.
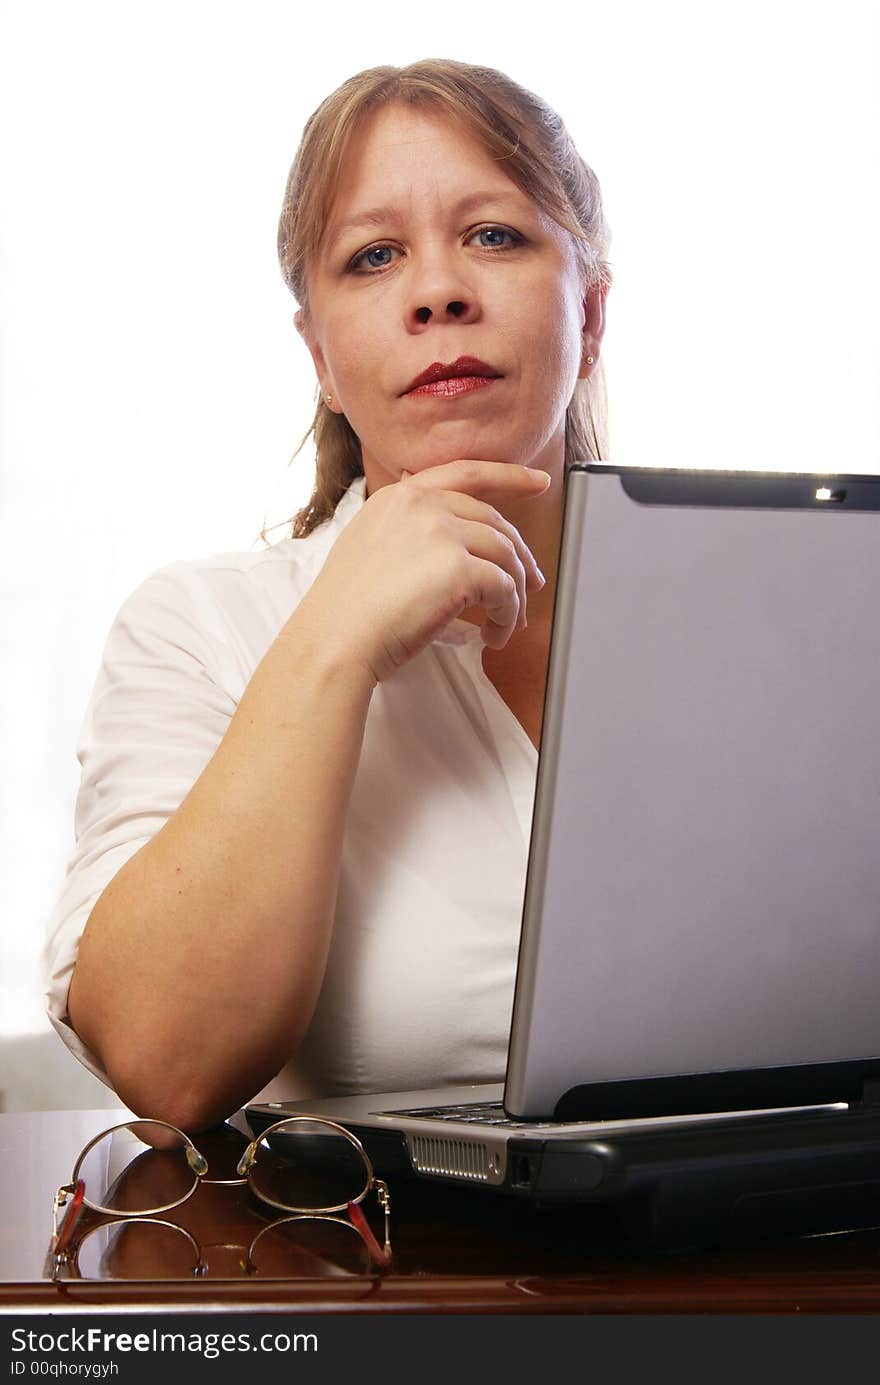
591, 360
329, 398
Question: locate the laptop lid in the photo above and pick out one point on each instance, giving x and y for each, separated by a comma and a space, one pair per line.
701, 927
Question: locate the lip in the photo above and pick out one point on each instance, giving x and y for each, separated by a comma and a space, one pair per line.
466, 367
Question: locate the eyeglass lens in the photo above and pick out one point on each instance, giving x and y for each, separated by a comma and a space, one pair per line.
137, 1250
307, 1165
140, 1167
305, 1247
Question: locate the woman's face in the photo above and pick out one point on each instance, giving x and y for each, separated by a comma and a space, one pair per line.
432, 254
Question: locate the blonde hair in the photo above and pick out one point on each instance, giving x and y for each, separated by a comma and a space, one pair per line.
539, 156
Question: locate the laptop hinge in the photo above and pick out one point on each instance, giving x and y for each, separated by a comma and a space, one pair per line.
815, 1084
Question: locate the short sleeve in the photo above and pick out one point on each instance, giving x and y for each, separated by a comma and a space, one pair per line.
157, 713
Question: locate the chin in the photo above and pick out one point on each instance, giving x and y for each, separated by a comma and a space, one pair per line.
470, 449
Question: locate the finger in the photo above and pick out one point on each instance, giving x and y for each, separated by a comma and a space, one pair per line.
466, 507
494, 590
484, 479
482, 541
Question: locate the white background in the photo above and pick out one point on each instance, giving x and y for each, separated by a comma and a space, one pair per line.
154, 388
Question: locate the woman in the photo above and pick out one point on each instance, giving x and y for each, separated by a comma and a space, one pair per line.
308, 773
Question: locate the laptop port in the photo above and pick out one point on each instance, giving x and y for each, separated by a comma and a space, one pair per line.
522, 1172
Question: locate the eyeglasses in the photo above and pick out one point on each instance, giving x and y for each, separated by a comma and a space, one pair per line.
133, 1172
315, 1168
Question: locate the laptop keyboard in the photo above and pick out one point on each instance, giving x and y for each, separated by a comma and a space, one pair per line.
474, 1113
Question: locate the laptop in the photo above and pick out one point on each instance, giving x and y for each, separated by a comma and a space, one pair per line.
696, 1025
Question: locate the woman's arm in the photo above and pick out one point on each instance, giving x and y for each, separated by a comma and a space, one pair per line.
201, 963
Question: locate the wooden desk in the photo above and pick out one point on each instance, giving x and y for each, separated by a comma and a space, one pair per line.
456, 1252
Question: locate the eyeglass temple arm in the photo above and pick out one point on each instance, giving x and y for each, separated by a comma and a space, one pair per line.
355, 1211
72, 1194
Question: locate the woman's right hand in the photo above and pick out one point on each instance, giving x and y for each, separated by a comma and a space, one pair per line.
420, 552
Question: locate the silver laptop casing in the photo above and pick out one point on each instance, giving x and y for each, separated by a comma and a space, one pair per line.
704, 880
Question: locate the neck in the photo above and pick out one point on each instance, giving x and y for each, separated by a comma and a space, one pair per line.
539, 521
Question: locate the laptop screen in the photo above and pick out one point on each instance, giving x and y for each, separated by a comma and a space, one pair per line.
704, 893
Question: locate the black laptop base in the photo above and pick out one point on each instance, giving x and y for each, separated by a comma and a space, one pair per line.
711, 1185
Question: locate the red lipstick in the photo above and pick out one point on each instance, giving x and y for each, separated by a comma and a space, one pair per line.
467, 373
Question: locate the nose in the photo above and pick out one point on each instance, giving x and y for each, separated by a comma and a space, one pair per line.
457, 308
440, 295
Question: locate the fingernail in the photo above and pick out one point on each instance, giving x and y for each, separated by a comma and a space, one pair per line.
541, 578
545, 476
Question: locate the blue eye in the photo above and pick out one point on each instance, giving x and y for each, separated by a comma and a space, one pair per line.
379, 257
491, 238
371, 259
380, 250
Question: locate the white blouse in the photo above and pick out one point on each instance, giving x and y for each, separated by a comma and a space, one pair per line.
419, 983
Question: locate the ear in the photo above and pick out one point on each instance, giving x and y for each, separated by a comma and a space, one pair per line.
593, 329
304, 327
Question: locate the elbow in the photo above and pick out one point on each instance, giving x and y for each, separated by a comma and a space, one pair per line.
146, 1081
168, 1072
190, 1109
192, 1097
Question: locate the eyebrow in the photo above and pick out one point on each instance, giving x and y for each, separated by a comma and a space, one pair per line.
383, 216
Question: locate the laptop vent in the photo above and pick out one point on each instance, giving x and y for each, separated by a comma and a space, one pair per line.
457, 1158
